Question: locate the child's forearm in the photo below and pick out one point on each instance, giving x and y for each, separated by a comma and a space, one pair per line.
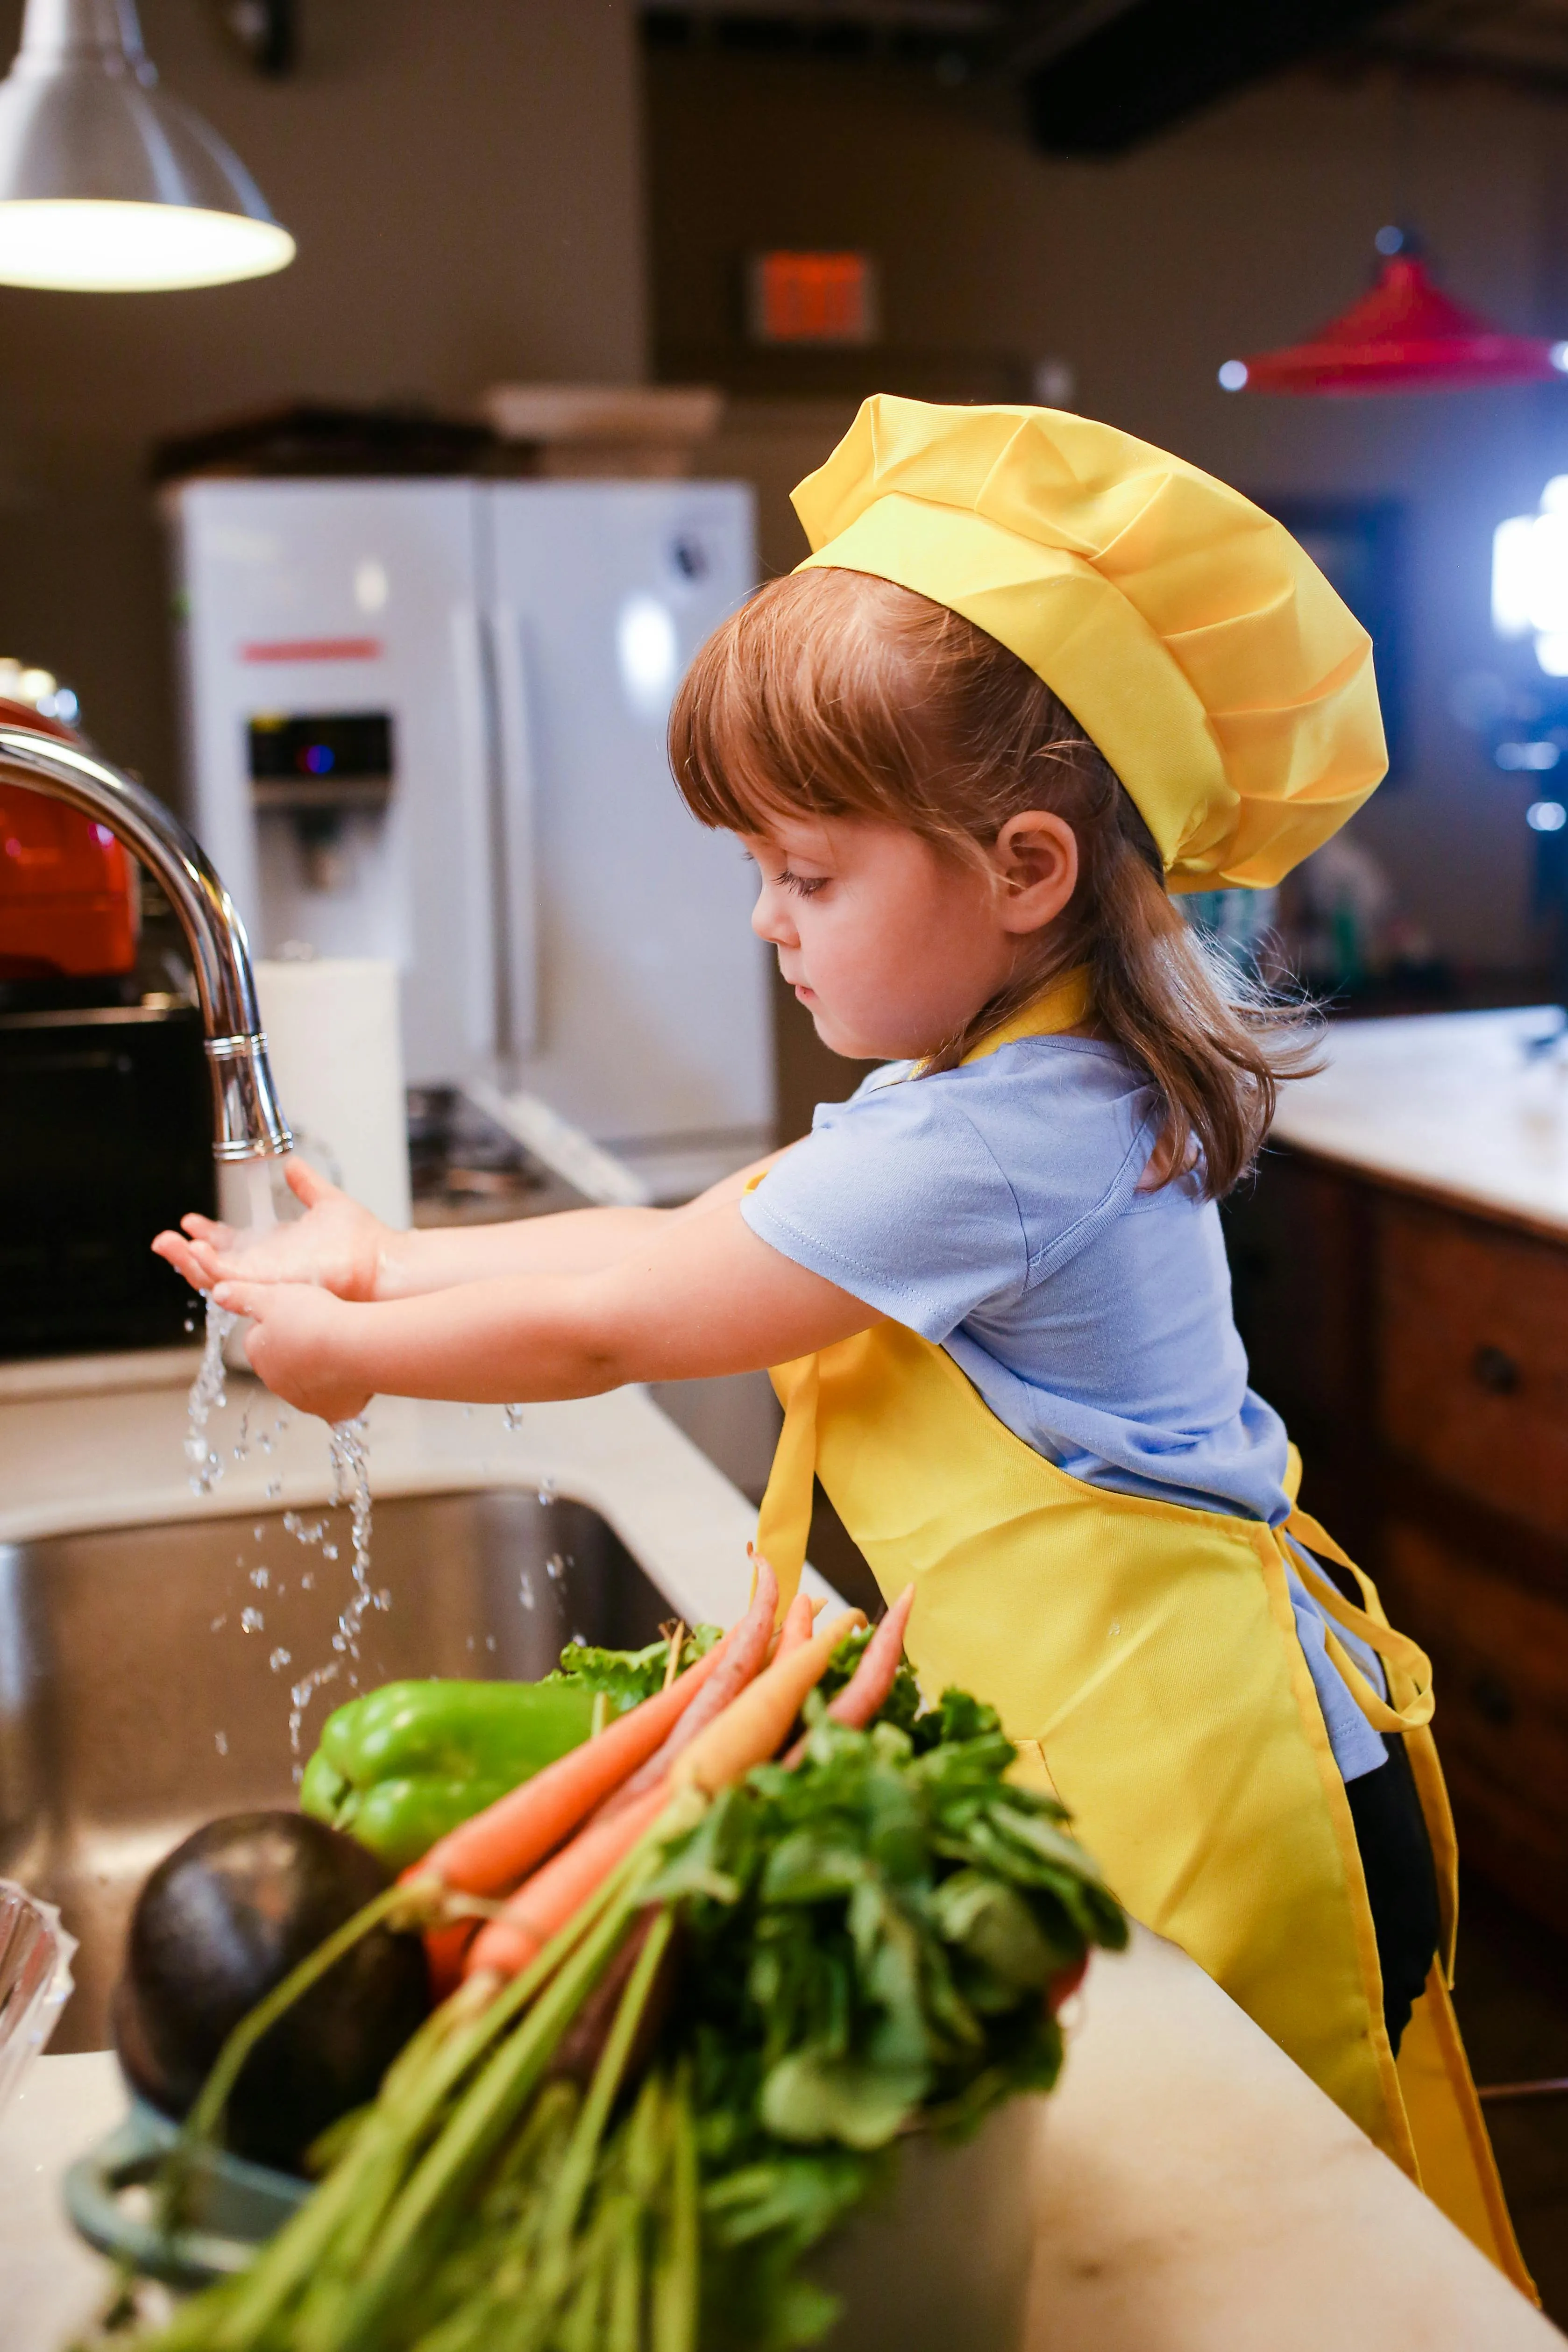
700, 1295
516, 1339
574, 1241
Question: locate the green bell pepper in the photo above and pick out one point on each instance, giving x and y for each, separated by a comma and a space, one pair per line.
403, 1765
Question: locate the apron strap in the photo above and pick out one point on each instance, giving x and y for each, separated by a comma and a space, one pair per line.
1409, 1668
784, 1521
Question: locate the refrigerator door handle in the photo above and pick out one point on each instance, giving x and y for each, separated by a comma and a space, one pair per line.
478, 947
516, 864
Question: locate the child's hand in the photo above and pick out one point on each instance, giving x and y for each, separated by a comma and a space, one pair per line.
299, 1345
337, 1245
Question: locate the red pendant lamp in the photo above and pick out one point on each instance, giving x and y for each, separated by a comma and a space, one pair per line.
1404, 335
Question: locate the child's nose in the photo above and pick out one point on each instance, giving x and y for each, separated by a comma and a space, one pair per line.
770, 918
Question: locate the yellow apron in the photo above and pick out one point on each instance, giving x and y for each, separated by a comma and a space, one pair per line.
1144, 1656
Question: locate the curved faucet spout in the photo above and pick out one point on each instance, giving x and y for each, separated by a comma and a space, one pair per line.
246, 1121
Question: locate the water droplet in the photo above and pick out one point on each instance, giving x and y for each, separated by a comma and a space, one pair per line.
221, 1742
280, 1659
251, 1621
308, 1582
470, 1642
525, 1590
258, 1577
512, 1415
259, 1531
489, 1641
273, 1489
329, 1551
555, 1568
219, 1623
208, 1391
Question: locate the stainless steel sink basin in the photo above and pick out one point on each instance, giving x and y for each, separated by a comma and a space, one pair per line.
138, 1698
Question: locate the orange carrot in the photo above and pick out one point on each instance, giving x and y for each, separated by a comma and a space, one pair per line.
489, 1853
748, 1646
544, 1903
750, 1730
797, 1627
867, 1688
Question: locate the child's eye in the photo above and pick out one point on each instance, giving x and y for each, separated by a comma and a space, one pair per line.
805, 885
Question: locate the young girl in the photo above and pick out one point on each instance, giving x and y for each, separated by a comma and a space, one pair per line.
1034, 675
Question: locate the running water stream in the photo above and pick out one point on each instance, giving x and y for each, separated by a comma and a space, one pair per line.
350, 1454
351, 1485
210, 1387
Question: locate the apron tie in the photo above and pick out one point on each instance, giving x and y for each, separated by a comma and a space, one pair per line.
1409, 1668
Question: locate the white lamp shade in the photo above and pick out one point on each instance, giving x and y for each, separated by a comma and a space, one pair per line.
107, 185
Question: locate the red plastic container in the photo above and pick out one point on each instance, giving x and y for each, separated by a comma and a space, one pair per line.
67, 888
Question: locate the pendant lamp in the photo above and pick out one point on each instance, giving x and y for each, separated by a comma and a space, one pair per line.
1405, 335
106, 184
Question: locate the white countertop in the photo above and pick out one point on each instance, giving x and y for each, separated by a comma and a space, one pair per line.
1197, 2194
1447, 1103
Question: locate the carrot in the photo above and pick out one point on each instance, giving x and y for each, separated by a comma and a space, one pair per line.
867, 1688
489, 1853
544, 1903
797, 1628
749, 1644
750, 1730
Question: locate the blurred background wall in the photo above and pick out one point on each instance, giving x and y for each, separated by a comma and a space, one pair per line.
463, 180
493, 189
1245, 227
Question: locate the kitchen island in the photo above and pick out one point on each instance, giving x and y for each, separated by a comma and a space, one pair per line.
1196, 2188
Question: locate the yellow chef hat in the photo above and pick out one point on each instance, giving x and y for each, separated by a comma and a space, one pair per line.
1195, 643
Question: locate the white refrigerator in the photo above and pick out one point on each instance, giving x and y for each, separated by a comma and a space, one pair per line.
426, 720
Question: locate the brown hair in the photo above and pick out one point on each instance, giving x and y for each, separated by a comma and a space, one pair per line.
835, 694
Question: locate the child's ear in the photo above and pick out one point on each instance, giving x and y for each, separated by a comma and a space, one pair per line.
1036, 856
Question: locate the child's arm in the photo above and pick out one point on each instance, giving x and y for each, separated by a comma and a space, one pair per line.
341, 1247
699, 1294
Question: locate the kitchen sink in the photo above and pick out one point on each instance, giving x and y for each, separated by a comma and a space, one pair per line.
145, 1672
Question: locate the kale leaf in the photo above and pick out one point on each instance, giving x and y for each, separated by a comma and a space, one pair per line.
628, 1676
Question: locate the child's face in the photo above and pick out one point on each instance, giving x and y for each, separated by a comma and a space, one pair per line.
891, 948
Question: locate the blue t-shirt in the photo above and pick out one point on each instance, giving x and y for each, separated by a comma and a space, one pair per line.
995, 1209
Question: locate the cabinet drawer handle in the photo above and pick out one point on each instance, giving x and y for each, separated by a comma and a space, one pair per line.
1496, 1370
1492, 1700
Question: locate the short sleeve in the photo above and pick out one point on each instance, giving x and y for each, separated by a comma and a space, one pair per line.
897, 1197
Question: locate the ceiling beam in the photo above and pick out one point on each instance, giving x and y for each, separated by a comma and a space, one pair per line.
1148, 63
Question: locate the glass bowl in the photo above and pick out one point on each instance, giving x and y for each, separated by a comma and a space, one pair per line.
35, 1979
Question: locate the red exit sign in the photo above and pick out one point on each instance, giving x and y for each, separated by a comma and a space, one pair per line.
812, 297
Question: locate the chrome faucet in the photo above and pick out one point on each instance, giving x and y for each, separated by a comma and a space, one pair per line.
246, 1121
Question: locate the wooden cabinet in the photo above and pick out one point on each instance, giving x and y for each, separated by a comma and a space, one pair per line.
1499, 1666
1472, 1356
1419, 1352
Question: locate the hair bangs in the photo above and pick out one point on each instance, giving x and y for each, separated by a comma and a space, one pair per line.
801, 704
